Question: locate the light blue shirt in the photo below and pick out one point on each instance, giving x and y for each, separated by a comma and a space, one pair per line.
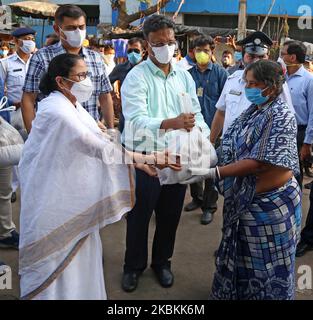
13, 71
148, 98
301, 90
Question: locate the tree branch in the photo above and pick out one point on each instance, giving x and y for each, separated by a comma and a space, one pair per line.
125, 19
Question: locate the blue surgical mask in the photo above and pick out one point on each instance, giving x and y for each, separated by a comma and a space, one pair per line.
254, 95
134, 58
238, 56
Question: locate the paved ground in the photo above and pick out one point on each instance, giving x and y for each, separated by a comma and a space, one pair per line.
193, 262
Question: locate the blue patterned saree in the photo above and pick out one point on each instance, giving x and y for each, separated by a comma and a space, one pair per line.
256, 257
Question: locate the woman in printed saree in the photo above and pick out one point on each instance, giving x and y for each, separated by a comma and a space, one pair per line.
262, 200
74, 181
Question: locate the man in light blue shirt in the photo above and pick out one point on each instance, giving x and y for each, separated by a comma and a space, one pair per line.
151, 101
300, 83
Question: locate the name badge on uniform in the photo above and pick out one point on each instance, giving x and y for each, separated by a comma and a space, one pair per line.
200, 92
235, 93
17, 70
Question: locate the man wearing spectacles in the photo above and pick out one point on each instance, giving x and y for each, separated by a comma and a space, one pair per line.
153, 109
135, 53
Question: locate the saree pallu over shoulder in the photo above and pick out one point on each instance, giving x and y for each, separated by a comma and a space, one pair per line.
245, 267
74, 181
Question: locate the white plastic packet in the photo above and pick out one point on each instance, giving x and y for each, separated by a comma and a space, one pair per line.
11, 145
197, 154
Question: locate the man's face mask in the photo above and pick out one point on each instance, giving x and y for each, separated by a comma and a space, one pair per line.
238, 56
202, 57
74, 38
28, 46
108, 58
163, 54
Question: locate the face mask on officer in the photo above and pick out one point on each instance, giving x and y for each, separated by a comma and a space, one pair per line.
28, 46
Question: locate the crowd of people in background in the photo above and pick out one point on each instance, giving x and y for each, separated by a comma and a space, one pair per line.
76, 99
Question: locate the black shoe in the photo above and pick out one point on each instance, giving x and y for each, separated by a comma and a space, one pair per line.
11, 242
193, 205
164, 276
303, 248
130, 281
13, 197
207, 217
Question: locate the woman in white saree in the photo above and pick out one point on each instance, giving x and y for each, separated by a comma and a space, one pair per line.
74, 181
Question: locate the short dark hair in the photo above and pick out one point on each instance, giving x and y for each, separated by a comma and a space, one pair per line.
269, 72
227, 52
108, 46
203, 41
297, 48
55, 38
60, 65
191, 45
135, 40
156, 22
70, 11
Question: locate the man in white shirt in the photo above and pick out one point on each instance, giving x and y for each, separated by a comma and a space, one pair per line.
233, 101
189, 61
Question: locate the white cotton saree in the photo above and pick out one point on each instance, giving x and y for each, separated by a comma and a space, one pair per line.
74, 181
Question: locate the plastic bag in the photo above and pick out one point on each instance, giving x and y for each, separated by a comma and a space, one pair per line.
11, 144
197, 154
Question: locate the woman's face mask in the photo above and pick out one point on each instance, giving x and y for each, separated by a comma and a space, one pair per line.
82, 90
255, 95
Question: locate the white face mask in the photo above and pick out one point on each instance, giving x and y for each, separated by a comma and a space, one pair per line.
5, 52
108, 59
28, 46
164, 54
74, 38
82, 90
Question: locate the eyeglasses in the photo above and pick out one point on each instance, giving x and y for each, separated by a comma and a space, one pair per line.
133, 50
82, 75
171, 43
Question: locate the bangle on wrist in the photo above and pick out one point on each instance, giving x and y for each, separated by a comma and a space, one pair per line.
218, 173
